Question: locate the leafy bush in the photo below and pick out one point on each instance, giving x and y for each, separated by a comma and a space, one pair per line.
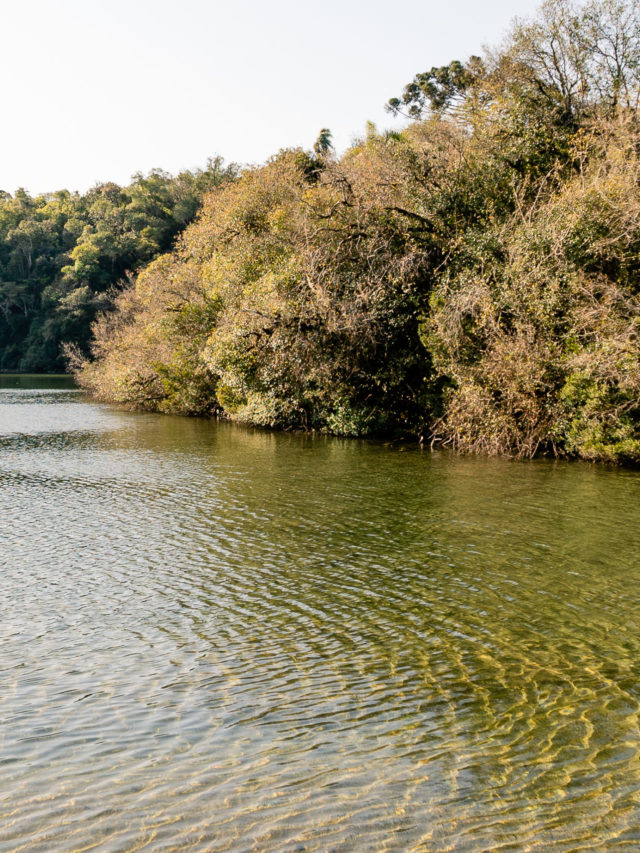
473, 279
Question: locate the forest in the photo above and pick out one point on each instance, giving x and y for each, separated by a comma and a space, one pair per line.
64, 255
470, 281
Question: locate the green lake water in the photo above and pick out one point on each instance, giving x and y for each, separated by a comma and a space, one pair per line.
214, 638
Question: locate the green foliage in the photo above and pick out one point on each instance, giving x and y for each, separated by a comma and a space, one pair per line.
541, 343
601, 421
472, 279
438, 89
316, 305
323, 143
61, 254
345, 419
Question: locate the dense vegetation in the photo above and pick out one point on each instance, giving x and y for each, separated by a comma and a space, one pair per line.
63, 254
473, 279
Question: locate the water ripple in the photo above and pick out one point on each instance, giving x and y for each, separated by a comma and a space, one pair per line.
217, 639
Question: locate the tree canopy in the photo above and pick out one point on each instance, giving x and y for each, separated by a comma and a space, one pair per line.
62, 253
472, 279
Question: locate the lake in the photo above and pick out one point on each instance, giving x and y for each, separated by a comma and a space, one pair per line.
215, 638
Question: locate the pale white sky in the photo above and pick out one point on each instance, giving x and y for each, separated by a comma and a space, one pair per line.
95, 90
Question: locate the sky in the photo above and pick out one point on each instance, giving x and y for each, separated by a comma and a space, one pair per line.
96, 90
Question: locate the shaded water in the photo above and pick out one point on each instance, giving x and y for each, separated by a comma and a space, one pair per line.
214, 638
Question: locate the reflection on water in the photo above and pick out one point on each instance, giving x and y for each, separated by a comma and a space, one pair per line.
35, 381
214, 638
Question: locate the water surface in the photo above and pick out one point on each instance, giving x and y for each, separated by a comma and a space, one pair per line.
214, 638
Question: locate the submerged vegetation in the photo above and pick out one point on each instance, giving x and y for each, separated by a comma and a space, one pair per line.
473, 279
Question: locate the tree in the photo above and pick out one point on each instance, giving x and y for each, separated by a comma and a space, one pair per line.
61, 253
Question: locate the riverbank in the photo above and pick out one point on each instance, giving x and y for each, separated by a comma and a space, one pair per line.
472, 279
